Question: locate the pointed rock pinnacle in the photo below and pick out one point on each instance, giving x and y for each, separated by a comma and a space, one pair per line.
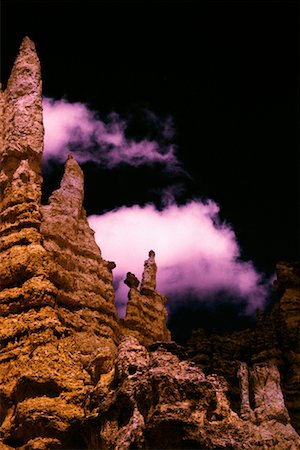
149, 274
71, 191
23, 120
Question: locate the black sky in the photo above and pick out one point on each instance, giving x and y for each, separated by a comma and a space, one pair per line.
225, 71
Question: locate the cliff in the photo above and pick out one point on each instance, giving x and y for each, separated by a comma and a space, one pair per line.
73, 375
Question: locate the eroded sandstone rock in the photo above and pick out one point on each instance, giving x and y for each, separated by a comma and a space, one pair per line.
146, 315
29, 324
72, 374
286, 316
85, 296
271, 348
59, 330
159, 401
149, 275
243, 376
268, 398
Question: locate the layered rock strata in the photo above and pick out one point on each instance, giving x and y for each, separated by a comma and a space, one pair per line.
159, 400
146, 315
59, 327
83, 279
59, 330
22, 259
28, 322
75, 376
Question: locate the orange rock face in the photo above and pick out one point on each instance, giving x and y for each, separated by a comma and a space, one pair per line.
83, 281
73, 375
39, 376
59, 328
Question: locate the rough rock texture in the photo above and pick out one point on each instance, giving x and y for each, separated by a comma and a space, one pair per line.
275, 342
286, 317
146, 315
59, 328
27, 297
22, 257
75, 376
57, 339
161, 401
85, 295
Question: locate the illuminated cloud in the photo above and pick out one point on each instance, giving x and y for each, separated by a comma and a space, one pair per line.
196, 254
74, 127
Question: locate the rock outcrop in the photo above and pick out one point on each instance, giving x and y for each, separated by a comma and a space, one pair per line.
28, 322
73, 375
59, 327
22, 258
274, 342
55, 344
146, 315
286, 319
162, 401
83, 280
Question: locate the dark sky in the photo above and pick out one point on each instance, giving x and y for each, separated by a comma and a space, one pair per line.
225, 71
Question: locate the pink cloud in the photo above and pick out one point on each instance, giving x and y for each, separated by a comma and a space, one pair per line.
74, 127
196, 253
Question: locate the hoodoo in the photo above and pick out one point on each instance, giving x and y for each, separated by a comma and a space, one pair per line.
73, 375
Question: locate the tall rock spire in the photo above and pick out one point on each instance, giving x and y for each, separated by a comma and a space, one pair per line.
71, 191
23, 118
146, 314
21, 130
58, 323
149, 274
83, 279
21, 137
28, 321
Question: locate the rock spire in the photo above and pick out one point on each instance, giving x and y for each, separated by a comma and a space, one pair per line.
149, 274
146, 315
73, 374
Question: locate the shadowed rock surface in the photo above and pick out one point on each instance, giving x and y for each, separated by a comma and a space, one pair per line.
161, 401
73, 375
275, 342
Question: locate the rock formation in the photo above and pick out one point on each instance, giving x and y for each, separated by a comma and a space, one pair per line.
285, 318
27, 297
273, 347
73, 375
160, 400
146, 316
83, 280
59, 327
